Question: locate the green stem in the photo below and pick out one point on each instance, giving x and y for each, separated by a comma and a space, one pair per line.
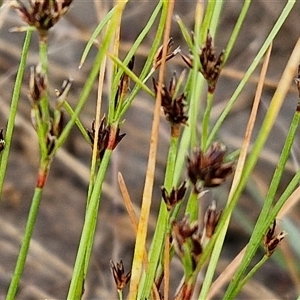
120, 294
41, 133
44, 102
43, 54
36, 199
145, 74
251, 273
192, 207
210, 24
215, 20
187, 261
42, 129
70, 111
189, 135
84, 250
206, 120
236, 29
207, 20
281, 164
194, 89
158, 242
14, 108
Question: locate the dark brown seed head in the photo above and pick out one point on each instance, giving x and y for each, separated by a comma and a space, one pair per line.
196, 248
187, 239
174, 197
209, 167
271, 240
55, 129
124, 84
211, 219
181, 232
37, 85
57, 123
106, 140
42, 14
119, 275
170, 54
210, 63
63, 92
174, 107
188, 59
103, 136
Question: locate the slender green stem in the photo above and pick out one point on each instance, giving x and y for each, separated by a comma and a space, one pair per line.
281, 164
194, 89
158, 242
25, 244
93, 173
84, 250
185, 32
216, 17
14, 108
236, 29
206, 120
213, 22
192, 207
44, 102
187, 262
251, 273
281, 201
195, 84
95, 34
41, 131
146, 72
189, 135
70, 111
207, 20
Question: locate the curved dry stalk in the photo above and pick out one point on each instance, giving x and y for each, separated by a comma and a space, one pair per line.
147, 194
167, 267
128, 203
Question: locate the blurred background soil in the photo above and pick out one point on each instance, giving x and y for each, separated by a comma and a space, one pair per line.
56, 236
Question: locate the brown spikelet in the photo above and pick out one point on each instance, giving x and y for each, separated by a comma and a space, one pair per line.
209, 167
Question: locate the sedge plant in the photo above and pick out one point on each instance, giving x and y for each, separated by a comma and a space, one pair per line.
197, 162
